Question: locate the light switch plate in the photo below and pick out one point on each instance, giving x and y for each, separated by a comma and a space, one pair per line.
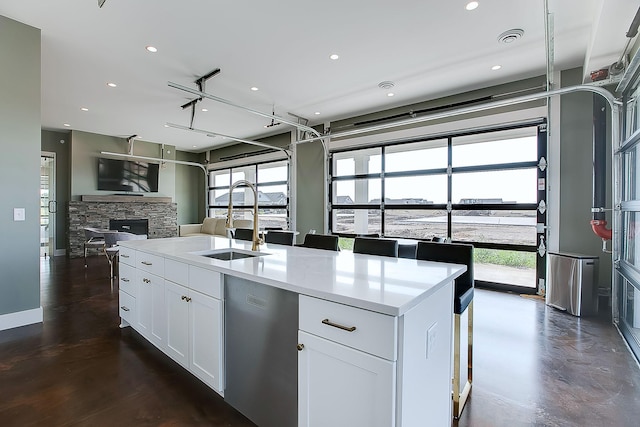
19, 214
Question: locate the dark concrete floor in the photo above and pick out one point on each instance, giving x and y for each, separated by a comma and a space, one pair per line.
533, 366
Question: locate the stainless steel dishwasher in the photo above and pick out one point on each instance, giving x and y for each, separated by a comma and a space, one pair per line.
261, 330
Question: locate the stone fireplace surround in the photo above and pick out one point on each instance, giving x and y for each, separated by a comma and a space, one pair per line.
96, 211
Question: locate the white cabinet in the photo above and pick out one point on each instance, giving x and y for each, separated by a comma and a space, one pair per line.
194, 337
177, 323
150, 306
341, 386
346, 366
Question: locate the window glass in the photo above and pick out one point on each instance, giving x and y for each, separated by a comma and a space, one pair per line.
272, 172
272, 195
273, 218
504, 186
247, 173
500, 266
356, 221
359, 191
512, 146
219, 197
220, 178
416, 156
415, 224
630, 241
420, 189
516, 227
357, 162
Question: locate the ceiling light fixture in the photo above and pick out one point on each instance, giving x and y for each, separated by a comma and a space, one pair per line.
204, 110
390, 94
471, 5
334, 56
112, 84
254, 89
66, 125
151, 49
84, 109
496, 67
510, 36
317, 113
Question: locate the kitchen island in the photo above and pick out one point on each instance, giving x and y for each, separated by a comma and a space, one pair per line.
373, 337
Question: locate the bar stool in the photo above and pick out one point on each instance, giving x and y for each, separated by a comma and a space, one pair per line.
374, 246
279, 237
320, 241
456, 253
243, 234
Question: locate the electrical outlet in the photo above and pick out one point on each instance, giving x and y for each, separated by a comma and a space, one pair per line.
432, 334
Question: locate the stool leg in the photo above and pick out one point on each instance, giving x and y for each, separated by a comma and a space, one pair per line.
470, 343
456, 366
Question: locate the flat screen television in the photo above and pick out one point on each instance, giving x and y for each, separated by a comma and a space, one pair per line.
127, 175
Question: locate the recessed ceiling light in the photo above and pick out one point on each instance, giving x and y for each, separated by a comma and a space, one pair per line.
205, 110
254, 88
317, 113
66, 125
390, 94
112, 84
334, 56
84, 109
166, 126
471, 5
496, 67
195, 146
151, 49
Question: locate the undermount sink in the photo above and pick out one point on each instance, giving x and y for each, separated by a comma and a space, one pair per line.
229, 254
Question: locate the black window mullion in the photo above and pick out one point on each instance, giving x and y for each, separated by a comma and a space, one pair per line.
449, 186
382, 189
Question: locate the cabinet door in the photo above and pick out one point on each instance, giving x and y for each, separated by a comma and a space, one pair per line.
177, 309
340, 386
151, 316
144, 300
205, 317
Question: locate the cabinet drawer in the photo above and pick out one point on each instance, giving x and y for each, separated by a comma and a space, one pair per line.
127, 279
127, 307
176, 271
364, 330
205, 281
127, 256
154, 264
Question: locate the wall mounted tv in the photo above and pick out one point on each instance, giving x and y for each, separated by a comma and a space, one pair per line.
127, 175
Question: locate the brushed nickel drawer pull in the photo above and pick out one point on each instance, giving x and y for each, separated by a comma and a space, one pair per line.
124, 308
183, 297
336, 325
146, 263
124, 256
187, 299
124, 279
300, 347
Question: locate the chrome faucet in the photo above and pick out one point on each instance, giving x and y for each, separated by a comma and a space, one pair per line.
256, 240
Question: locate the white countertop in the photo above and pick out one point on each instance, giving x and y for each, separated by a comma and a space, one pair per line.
382, 284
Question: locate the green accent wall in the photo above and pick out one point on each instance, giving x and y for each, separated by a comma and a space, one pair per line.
20, 166
576, 157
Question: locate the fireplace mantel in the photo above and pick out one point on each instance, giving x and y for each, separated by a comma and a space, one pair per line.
123, 198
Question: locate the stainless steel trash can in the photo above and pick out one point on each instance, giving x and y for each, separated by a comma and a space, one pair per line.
572, 283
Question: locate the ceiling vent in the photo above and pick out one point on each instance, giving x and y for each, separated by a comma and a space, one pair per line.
510, 36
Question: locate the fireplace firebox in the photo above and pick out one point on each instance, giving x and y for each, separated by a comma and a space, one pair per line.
135, 226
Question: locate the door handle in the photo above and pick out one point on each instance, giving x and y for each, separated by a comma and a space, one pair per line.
55, 206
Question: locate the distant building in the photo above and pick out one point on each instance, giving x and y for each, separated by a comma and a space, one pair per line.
484, 202
344, 200
404, 201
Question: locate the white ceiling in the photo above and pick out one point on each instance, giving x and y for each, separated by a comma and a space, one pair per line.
428, 48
